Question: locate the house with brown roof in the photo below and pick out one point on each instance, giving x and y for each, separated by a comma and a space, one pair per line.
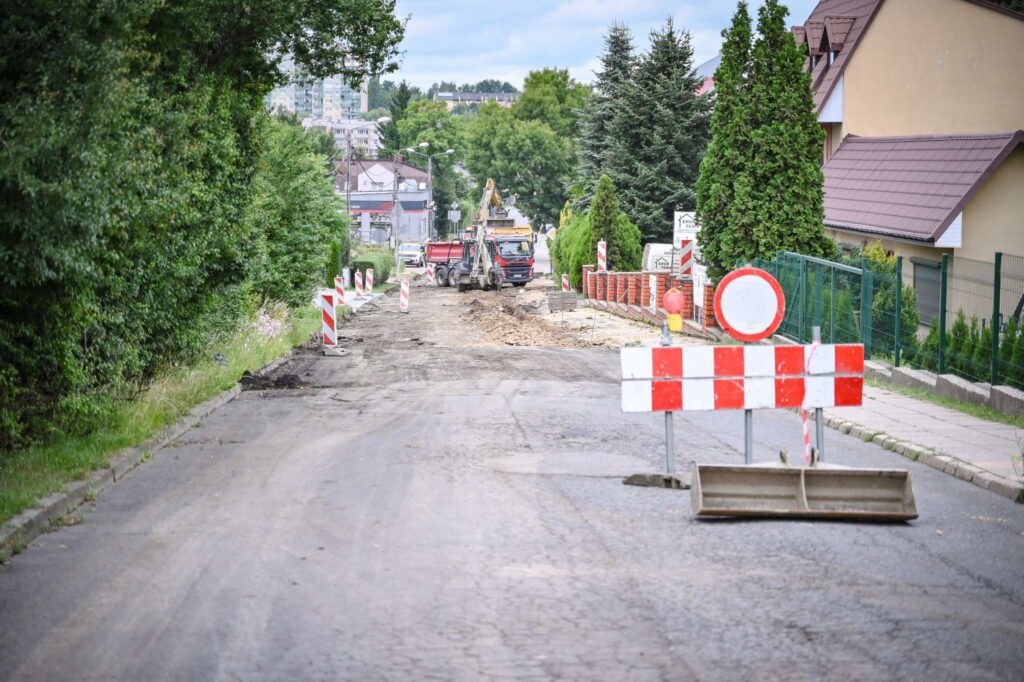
922, 103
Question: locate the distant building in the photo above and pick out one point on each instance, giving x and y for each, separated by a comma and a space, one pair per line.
329, 99
451, 99
706, 72
364, 135
922, 103
372, 184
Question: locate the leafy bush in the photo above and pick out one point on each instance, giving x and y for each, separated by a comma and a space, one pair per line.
381, 261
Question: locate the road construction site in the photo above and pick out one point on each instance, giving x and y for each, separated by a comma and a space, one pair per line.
444, 500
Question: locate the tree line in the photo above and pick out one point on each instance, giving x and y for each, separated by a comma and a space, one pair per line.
150, 203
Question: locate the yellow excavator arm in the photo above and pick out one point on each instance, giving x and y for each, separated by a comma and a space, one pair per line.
489, 198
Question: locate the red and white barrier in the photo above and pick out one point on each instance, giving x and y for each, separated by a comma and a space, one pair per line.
686, 258
359, 284
339, 291
602, 257
369, 281
430, 273
741, 377
565, 282
403, 297
329, 317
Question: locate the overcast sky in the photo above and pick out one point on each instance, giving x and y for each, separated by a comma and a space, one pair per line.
467, 40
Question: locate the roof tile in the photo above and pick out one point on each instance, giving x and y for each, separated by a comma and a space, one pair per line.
909, 187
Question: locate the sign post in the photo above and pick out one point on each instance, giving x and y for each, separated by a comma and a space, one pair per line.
749, 304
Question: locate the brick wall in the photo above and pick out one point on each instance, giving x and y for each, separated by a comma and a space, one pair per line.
587, 290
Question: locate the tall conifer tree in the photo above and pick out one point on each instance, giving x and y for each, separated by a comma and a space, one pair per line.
660, 133
726, 152
596, 121
780, 200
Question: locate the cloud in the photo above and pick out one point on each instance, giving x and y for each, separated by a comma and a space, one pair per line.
463, 41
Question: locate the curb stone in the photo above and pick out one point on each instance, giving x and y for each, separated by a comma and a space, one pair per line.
22, 529
944, 463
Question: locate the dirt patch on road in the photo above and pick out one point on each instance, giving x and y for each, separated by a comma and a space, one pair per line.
504, 319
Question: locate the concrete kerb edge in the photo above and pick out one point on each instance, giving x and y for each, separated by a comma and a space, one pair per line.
21, 530
936, 460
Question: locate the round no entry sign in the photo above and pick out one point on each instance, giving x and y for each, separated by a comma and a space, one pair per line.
749, 304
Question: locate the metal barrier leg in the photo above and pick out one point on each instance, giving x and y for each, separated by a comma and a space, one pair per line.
670, 452
748, 436
819, 432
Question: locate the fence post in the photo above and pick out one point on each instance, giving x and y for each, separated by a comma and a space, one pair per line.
942, 313
819, 295
803, 301
898, 331
996, 286
866, 281
832, 306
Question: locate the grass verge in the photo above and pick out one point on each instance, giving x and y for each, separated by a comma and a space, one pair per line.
978, 411
33, 473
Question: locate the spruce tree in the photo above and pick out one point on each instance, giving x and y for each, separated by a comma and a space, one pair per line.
730, 140
660, 131
611, 225
595, 123
779, 197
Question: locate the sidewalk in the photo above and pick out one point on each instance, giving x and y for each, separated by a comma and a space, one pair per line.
971, 448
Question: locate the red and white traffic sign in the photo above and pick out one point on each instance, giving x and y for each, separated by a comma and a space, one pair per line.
749, 304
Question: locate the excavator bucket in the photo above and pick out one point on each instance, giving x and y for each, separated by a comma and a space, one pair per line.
817, 492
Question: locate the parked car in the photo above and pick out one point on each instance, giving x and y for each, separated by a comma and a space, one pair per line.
411, 253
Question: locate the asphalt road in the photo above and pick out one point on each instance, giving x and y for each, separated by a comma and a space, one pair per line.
432, 507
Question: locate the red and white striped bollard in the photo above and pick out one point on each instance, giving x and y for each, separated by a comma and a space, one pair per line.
565, 282
369, 281
403, 299
686, 258
329, 319
430, 273
339, 290
359, 284
602, 256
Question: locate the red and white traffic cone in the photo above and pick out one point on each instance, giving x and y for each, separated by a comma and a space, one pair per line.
403, 299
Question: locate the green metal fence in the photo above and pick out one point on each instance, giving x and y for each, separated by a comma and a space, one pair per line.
977, 333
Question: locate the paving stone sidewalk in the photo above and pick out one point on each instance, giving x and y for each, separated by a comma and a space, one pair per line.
989, 446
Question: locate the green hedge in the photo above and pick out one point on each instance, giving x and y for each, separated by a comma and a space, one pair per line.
382, 261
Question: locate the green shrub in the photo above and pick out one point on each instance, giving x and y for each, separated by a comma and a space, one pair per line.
381, 260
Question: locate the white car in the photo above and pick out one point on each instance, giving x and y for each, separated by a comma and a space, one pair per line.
411, 253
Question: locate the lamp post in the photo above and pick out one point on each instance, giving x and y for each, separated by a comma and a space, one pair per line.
430, 180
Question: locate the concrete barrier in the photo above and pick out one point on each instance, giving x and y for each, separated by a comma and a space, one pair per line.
1006, 400
957, 388
913, 378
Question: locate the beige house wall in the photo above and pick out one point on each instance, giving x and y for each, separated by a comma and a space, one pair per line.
994, 217
897, 247
936, 67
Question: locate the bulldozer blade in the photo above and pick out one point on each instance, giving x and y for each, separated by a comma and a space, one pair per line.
818, 492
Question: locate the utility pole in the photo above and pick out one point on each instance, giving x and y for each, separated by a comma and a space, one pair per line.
430, 197
394, 212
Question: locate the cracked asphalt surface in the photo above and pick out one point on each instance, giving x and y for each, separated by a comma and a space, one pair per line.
435, 505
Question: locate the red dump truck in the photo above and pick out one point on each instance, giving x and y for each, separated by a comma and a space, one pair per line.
445, 256
514, 255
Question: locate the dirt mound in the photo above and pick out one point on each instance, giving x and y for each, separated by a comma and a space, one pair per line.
505, 320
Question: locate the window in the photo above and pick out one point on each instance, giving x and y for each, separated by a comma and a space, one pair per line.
378, 187
926, 285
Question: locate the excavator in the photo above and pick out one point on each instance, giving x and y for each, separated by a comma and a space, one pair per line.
496, 251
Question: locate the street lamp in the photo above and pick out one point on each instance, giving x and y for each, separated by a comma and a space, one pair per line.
430, 180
